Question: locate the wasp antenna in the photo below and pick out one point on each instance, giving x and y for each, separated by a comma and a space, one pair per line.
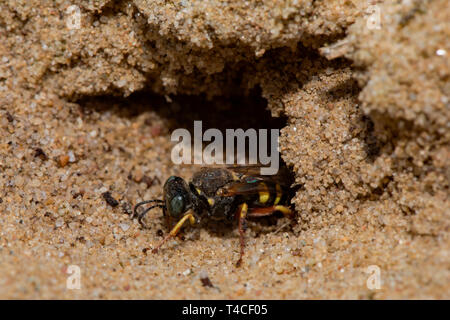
141, 215
142, 203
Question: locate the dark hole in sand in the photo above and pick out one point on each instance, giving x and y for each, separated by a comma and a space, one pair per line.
237, 111
233, 112
243, 111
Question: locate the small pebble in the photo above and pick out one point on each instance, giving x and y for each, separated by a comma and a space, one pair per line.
187, 272
441, 52
9, 117
59, 222
63, 160
124, 226
39, 153
204, 278
109, 199
71, 156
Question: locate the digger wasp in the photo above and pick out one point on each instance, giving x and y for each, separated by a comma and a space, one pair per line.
222, 194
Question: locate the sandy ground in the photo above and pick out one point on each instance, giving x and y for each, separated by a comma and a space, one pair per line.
365, 120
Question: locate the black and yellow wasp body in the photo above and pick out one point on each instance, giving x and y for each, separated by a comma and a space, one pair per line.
223, 194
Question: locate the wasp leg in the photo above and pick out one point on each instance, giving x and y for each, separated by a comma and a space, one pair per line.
267, 211
243, 209
169, 223
175, 230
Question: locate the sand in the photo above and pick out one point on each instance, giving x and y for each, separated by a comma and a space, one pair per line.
86, 114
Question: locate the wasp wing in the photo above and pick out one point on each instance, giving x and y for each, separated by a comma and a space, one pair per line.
283, 177
251, 181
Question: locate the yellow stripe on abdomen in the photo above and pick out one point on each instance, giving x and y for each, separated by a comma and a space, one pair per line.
279, 194
264, 196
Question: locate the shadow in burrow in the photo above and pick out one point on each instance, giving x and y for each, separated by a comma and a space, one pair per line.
239, 111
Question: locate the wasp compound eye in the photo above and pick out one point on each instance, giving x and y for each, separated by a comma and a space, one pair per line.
176, 206
176, 195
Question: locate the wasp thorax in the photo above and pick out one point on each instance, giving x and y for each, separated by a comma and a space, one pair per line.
177, 196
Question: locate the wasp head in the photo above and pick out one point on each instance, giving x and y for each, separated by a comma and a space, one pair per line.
177, 196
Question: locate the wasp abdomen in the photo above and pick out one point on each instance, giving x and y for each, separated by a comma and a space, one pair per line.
268, 195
